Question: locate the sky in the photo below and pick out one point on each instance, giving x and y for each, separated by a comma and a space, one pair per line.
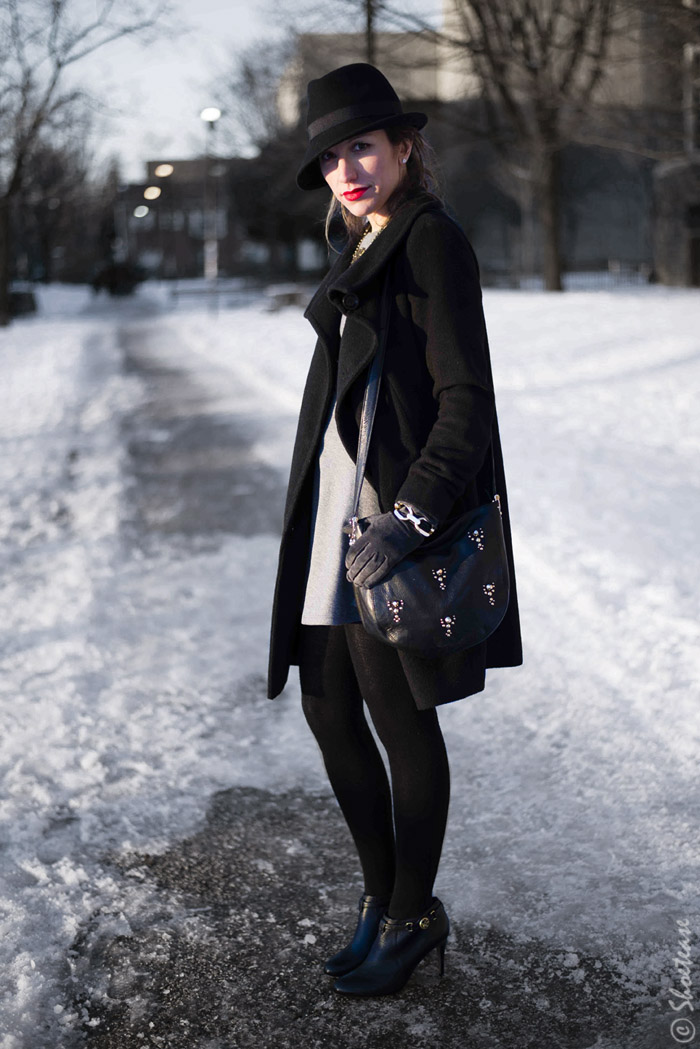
151, 97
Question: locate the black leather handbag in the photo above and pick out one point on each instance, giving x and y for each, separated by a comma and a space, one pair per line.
452, 592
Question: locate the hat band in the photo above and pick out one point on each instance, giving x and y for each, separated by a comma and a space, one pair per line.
339, 116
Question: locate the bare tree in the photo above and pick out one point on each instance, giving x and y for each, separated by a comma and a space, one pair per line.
370, 7
542, 66
39, 40
538, 64
259, 96
51, 213
251, 92
541, 75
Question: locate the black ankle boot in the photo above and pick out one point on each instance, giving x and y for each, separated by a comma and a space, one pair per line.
372, 910
399, 947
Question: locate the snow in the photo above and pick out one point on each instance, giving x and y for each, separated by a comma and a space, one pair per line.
132, 674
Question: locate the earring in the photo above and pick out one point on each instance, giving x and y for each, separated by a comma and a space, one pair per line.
404, 160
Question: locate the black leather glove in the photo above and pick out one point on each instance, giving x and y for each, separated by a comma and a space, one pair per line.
384, 542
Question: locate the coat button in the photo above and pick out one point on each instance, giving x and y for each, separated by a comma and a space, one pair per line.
351, 301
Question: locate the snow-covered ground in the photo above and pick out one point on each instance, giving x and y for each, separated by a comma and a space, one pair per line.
575, 787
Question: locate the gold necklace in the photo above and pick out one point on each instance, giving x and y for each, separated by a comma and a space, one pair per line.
359, 249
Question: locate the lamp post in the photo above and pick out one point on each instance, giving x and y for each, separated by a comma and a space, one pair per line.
211, 242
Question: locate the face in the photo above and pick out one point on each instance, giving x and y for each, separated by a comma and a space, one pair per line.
363, 172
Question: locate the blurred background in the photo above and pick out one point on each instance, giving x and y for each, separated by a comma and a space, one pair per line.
151, 140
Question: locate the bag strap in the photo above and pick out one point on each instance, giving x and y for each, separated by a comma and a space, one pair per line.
369, 407
493, 493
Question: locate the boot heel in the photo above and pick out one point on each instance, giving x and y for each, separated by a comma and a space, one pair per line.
400, 946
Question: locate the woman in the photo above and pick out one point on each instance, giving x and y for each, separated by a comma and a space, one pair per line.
434, 425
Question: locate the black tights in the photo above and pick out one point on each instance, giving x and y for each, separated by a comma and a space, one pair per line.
339, 666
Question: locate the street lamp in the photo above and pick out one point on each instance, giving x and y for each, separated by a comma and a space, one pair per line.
211, 114
211, 242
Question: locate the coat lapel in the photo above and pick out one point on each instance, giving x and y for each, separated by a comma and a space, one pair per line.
355, 290
321, 312
356, 277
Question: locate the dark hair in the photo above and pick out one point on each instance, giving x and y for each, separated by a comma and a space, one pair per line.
419, 177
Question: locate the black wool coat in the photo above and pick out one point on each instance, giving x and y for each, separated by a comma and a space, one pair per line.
434, 422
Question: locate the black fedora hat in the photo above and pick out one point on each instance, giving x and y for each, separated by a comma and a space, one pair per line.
343, 103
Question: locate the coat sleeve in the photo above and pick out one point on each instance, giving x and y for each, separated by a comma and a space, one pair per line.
445, 302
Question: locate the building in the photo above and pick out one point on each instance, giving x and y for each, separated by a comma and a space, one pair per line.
677, 185
628, 187
623, 192
165, 222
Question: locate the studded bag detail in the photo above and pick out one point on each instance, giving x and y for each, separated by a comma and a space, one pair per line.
452, 592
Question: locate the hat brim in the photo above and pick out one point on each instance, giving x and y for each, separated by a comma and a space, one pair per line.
309, 174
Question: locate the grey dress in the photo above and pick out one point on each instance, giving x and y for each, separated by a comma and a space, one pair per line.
330, 599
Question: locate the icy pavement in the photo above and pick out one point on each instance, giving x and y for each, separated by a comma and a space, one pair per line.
172, 869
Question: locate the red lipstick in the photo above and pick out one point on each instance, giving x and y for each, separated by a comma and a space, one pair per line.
355, 194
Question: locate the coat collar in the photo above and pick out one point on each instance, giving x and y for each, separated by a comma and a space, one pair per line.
356, 289
357, 276
342, 277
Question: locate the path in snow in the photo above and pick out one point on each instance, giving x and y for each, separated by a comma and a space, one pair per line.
163, 823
